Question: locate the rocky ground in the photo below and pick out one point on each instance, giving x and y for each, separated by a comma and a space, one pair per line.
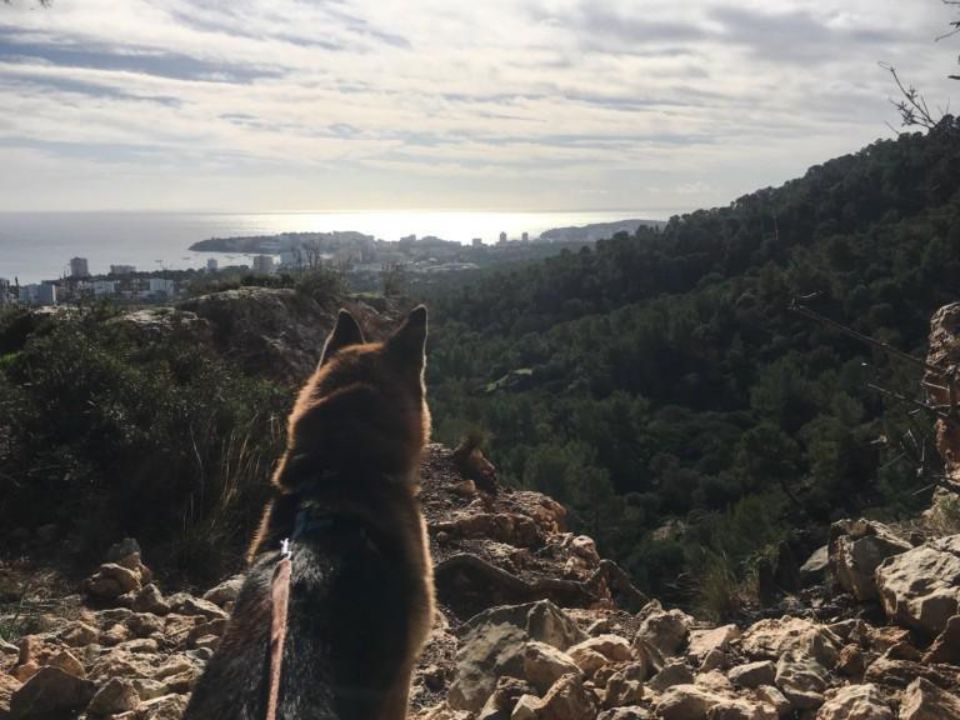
534, 625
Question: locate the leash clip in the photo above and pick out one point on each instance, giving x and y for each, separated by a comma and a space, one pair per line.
285, 550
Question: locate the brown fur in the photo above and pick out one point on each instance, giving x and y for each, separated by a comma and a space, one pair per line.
355, 438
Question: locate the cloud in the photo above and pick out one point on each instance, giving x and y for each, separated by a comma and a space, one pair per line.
515, 103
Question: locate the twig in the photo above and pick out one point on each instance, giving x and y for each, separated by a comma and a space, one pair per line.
879, 344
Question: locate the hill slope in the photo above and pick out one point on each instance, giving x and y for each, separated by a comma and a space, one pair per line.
659, 385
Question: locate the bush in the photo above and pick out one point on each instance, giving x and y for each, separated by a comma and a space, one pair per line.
108, 431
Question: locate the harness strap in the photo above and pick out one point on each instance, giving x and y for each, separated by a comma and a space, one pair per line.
280, 596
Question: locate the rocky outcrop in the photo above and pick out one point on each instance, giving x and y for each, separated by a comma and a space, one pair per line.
857, 547
534, 624
920, 589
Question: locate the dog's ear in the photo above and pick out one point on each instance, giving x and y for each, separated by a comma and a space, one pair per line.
345, 333
407, 345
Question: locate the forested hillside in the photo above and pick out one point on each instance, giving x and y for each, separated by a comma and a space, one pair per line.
660, 385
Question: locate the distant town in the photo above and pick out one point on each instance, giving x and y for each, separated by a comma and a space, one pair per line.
361, 258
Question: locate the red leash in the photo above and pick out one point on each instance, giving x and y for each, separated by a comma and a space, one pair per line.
280, 595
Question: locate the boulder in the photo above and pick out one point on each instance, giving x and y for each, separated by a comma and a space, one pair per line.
165, 707
857, 547
77, 634
543, 665
675, 673
66, 661
493, 644
753, 675
856, 702
801, 679
665, 630
117, 696
8, 686
186, 604
922, 700
149, 599
702, 642
226, 591
625, 687
692, 702
612, 647
568, 699
50, 695
632, 712
893, 672
771, 638
814, 570
110, 581
504, 697
920, 588
946, 646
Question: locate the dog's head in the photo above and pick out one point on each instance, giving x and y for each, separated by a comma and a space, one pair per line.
365, 406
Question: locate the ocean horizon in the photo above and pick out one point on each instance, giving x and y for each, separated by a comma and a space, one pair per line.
37, 246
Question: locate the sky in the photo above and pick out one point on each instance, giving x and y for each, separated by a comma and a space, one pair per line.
510, 105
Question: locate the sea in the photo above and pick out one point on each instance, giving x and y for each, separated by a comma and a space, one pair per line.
38, 246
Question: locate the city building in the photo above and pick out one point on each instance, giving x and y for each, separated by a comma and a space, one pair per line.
525, 237
104, 288
503, 238
212, 265
42, 294
477, 242
122, 269
161, 287
263, 264
5, 297
79, 268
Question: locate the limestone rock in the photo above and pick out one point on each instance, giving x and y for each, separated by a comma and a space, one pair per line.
589, 661
946, 647
814, 570
8, 686
226, 591
145, 624
543, 665
117, 696
920, 588
77, 634
503, 699
612, 647
675, 673
568, 699
68, 663
166, 707
50, 693
923, 700
753, 675
486, 653
632, 712
771, 638
702, 642
857, 547
149, 599
856, 702
801, 679
893, 672
692, 702
111, 581
187, 604
625, 687
666, 630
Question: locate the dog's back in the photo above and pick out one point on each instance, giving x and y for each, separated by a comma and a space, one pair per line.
360, 589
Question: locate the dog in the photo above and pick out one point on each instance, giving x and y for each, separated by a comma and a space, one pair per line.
361, 587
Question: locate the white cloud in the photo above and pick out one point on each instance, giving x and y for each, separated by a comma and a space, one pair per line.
519, 104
